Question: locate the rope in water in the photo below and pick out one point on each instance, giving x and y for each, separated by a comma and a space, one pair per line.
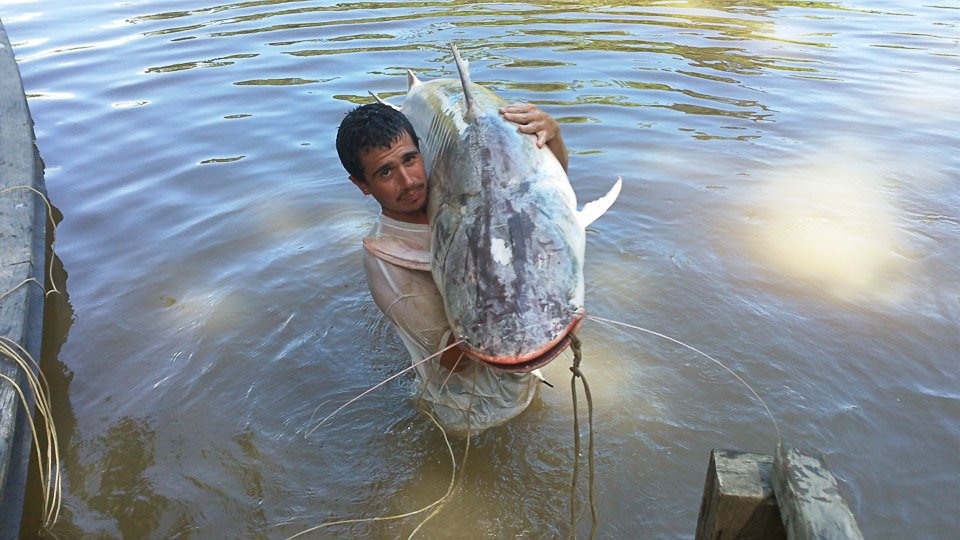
455, 479
610, 323
575, 368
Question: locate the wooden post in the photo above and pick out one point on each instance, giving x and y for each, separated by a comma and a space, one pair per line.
738, 498
810, 503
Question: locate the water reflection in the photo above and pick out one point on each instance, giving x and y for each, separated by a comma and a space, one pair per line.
642, 18
289, 81
213, 62
118, 485
58, 317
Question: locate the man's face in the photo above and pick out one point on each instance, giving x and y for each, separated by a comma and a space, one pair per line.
396, 178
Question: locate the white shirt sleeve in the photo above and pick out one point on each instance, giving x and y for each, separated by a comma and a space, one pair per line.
411, 301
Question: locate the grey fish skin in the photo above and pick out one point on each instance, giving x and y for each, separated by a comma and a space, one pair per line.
507, 246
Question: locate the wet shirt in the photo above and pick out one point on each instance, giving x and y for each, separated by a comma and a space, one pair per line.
411, 300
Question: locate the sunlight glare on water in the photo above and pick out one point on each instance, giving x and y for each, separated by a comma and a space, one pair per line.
828, 222
789, 206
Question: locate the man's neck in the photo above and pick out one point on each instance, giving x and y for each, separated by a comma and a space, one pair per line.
419, 218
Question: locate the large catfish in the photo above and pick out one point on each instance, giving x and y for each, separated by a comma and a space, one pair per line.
507, 239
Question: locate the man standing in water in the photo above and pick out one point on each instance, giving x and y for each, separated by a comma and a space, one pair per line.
381, 153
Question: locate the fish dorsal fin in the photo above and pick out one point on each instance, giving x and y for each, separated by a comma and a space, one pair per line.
396, 250
382, 102
594, 209
464, 69
412, 80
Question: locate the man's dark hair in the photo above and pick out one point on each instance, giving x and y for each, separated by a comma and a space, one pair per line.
373, 125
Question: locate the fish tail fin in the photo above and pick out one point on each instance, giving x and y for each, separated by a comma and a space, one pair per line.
594, 209
464, 70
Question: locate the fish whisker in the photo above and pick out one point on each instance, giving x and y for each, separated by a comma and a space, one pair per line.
381, 383
610, 323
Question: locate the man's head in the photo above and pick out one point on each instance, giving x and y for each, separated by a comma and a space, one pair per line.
380, 151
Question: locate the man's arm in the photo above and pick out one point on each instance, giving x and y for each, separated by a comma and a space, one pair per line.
534, 121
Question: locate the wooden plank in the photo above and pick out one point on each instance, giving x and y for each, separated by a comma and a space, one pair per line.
810, 503
738, 499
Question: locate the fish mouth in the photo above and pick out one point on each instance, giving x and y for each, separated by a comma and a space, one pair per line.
540, 358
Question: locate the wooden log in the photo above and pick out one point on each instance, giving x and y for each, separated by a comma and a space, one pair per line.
810, 503
738, 498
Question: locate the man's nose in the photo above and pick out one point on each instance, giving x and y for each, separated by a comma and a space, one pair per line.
406, 174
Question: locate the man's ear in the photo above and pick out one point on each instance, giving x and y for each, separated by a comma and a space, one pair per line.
360, 183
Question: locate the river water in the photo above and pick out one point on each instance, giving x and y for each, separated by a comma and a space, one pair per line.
789, 206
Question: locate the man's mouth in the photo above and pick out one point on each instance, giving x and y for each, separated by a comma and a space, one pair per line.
412, 195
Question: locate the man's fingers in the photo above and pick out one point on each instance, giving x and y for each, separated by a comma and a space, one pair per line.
517, 118
530, 120
528, 128
534, 129
520, 113
516, 108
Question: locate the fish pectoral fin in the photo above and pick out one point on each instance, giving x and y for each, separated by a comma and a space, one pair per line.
412, 80
594, 209
397, 251
382, 102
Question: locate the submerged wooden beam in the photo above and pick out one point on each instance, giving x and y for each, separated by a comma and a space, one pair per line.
738, 498
809, 500
789, 495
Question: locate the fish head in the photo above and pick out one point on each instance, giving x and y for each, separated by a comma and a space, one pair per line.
513, 284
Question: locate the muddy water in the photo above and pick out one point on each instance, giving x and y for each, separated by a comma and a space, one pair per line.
789, 206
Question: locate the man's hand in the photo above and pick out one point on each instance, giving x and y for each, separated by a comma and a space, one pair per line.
534, 121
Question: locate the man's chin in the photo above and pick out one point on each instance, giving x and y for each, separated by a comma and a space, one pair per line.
416, 202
